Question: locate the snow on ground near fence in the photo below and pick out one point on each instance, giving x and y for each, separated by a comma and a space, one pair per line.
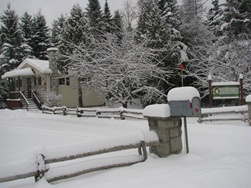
219, 156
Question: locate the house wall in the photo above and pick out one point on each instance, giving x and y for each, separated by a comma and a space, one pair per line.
70, 95
91, 98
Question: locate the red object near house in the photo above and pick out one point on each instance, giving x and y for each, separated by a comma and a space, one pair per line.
181, 66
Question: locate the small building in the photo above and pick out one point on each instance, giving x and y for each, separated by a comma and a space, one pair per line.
33, 79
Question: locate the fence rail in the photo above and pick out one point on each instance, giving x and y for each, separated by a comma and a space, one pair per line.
224, 114
118, 113
40, 167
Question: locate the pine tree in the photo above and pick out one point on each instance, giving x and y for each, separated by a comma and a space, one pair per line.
11, 37
237, 18
57, 27
27, 33
170, 12
107, 18
95, 16
153, 26
40, 38
215, 18
117, 25
76, 31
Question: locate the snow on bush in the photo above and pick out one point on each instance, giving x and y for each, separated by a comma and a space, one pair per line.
182, 94
157, 110
52, 99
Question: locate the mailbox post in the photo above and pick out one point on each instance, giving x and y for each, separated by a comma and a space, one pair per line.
184, 102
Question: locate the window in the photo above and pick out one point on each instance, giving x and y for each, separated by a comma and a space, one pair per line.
85, 80
39, 81
68, 81
35, 81
64, 81
61, 81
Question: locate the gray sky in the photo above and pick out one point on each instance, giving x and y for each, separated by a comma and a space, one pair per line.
52, 9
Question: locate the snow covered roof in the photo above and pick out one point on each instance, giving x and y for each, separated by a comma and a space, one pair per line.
16, 73
182, 94
41, 65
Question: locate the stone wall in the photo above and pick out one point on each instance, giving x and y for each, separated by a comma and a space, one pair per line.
169, 133
249, 112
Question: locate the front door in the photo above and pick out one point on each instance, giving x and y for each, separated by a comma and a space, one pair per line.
29, 87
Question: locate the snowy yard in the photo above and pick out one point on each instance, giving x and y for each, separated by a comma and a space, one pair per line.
220, 155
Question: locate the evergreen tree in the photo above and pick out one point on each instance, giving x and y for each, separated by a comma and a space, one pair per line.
11, 38
154, 27
40, 38
107, 18
170, 14
95, 16
117, 25
151, 25
57, 27
27, 33
237, 18
199, 41
76, 31
214, 18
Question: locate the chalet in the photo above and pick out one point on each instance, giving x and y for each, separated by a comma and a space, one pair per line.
33, 79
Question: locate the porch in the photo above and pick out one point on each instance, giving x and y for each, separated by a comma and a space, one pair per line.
24, 87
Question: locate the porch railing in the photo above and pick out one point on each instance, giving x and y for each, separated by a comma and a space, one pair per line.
24, 99
36, 100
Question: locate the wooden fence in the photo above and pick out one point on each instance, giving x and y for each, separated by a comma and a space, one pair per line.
224, 114
41, 168
118, 113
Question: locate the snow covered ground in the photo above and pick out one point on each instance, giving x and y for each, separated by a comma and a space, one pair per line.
220, 154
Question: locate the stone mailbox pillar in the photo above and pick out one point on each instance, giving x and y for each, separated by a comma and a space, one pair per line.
248, 101
167, 128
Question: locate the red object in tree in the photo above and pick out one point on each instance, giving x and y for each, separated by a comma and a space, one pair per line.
181, 66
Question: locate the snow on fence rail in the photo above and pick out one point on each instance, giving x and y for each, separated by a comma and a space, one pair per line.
38, 166
120, 113
230, 113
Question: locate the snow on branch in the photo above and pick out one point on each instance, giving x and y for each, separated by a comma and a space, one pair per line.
118, 69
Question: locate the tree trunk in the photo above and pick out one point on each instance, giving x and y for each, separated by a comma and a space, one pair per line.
80, 98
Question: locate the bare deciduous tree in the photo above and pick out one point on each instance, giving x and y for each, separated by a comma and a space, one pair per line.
120, 71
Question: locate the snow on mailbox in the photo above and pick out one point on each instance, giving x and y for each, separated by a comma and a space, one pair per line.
184, 101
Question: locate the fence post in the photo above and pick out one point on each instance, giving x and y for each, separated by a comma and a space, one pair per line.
143, 146
248, 101
209, 79
64, 111
121, 114
41, 167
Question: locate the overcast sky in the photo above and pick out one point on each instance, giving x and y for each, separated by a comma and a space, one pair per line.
52, 9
